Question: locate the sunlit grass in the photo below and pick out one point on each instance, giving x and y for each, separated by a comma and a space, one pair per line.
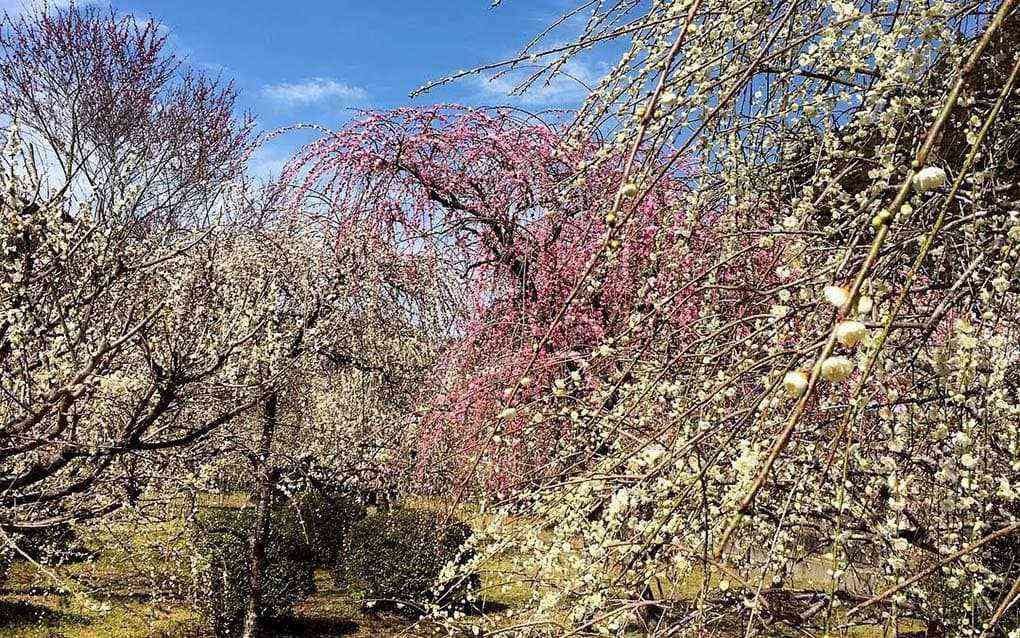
135, 586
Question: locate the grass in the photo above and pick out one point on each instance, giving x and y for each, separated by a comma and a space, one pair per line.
49, 615
109, 596
136, 586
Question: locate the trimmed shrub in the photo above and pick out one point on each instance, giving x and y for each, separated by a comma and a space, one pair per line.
954, 602
1002, 556
222, 575
55, 545
6, 558
395, 557
327, 519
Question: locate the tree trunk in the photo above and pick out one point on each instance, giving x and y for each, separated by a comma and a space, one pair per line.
260, 528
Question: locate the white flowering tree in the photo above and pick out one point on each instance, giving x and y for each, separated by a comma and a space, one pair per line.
115, 348
833, 442
352, 318
121, 321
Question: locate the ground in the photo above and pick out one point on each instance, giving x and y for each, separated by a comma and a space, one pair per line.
42, 602
29, 611
143, 584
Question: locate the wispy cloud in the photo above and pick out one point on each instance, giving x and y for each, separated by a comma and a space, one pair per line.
314, 90
569, 87
267, 162
25, 6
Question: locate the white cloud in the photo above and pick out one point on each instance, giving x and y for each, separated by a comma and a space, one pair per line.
266, 163
569, 87
24, 6
314, 90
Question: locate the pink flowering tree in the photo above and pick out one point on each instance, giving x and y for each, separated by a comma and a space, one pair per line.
556, 288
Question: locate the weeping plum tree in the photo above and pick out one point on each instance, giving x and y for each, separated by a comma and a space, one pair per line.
106, 106
524, 216
502, 199
115, 347
158, 311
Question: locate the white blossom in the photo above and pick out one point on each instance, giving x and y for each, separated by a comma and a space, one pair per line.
929, 178
850, 333
795, 383
836, 368
837, 296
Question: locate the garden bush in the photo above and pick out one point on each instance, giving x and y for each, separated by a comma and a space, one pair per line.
55, 545
394, 559
222, 573
327, 519
1002, 557
6, 557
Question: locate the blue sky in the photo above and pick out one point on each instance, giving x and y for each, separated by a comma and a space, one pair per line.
311, 61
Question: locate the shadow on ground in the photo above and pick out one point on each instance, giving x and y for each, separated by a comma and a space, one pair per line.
484, 606
19, 613
320, 627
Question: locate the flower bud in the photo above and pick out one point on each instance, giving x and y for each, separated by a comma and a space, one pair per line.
629, 189
837, 296
836, 369
795, 383
928, 178
850, 333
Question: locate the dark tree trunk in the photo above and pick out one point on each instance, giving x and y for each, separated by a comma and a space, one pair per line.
260, 528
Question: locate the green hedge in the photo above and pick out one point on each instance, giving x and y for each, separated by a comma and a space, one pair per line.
327, 519
6, 558
393, 558
1002, 556
222, 575
56, 545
